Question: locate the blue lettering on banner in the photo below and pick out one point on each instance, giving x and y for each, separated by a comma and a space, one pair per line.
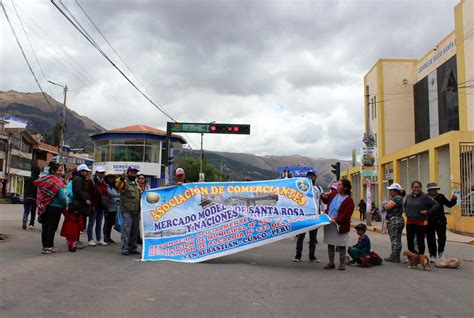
199, 221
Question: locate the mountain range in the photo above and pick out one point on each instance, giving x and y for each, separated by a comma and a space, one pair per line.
42, 118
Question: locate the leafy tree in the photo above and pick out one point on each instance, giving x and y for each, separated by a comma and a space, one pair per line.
54, 138
191, 167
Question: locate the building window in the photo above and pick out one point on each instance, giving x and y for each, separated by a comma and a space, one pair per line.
20, 163
448, 108
3, 145
466, 193
373, 107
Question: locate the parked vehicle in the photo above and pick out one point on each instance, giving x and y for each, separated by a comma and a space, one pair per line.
14, 198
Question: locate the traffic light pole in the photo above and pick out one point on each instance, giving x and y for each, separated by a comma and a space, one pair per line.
202, 155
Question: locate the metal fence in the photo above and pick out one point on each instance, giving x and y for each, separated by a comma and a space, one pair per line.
467, 179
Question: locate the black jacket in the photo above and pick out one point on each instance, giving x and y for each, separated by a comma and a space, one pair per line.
30, 188
438, 215
79, 191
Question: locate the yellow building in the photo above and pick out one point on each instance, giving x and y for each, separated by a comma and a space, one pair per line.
421, 112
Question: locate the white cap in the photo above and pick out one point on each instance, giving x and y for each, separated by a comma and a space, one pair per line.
83, 167
99, 169
395, 186
179, 171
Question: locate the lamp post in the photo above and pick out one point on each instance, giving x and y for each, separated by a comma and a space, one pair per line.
63, 115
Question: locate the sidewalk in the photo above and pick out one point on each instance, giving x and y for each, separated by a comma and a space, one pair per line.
450, 236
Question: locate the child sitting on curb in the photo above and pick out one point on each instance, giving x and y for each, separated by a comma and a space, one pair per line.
362, 248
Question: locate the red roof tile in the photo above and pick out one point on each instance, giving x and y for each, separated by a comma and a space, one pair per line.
140, 128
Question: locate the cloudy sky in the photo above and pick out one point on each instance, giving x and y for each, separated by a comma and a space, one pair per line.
291, 69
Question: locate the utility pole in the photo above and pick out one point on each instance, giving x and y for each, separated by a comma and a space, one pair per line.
202, 155
63, 115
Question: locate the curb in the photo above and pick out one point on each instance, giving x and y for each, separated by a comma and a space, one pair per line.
379, 230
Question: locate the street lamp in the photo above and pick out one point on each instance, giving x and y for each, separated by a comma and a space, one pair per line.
63, 115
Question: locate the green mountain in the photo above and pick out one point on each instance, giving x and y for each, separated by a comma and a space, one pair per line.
242, 166
42, 118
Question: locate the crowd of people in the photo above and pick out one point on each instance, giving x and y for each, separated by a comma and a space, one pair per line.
89, 202
94, 202
424, 220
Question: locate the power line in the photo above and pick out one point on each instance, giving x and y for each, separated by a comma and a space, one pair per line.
69, 67
32, 50
91, 41
115, 51
26, 58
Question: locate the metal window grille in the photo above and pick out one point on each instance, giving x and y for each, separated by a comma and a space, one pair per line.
467, 179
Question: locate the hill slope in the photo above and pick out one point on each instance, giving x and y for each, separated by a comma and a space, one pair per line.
42, 118
242, 166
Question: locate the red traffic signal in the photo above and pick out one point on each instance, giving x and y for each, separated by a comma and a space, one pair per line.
236, 129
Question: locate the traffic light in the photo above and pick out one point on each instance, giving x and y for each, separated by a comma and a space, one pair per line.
336, 169
234, 129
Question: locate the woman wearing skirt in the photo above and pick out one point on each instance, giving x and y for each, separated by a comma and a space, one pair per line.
336, 235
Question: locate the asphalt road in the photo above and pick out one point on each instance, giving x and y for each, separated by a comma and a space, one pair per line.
263, 282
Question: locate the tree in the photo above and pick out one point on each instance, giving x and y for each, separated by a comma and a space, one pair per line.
54, 138
191, 167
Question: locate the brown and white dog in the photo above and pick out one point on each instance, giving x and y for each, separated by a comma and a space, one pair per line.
417, 259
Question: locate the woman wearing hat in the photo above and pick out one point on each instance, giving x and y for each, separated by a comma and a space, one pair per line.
437, 222
395, 222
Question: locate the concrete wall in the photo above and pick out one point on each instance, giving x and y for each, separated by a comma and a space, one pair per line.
464, 23
398, 105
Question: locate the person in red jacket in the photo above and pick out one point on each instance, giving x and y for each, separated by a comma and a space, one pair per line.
340, 207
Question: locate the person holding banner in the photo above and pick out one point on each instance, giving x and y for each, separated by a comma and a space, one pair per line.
314, 233
130, 207
336, 235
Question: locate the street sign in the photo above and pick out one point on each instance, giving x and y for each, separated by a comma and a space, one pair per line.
190, 128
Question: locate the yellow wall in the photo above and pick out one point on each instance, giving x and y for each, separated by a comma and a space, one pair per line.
398, 105
456, 222
464, 22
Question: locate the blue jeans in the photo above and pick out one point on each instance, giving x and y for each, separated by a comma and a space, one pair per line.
29, 207
130, 231
95, 219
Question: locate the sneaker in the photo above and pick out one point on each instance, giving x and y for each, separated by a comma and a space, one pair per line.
314, 260
342, 267
23, 226
31, 227
432, 259
352, 263
91, 243
46, 251
441, 255
55, 250
297, 260
102, 243
110, 241
126, 253
80, 245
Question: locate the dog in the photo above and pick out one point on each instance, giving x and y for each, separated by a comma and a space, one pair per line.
417, 259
